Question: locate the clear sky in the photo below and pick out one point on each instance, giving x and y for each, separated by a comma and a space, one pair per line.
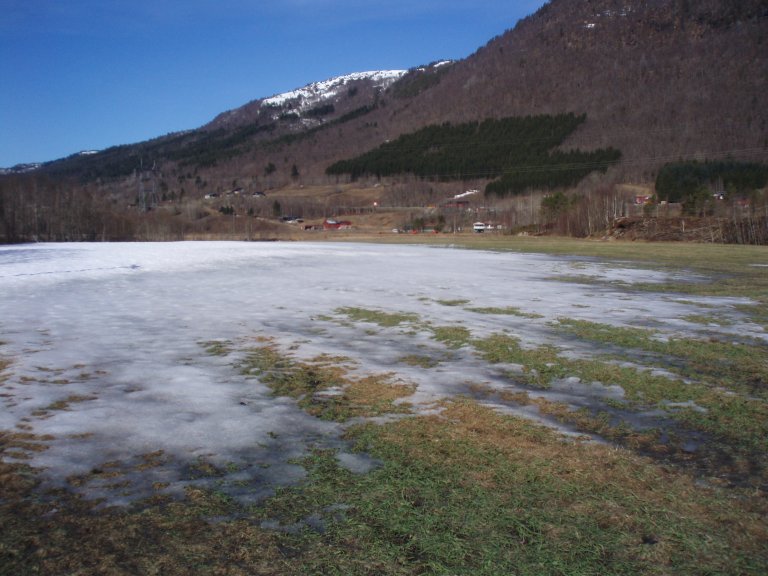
88, 74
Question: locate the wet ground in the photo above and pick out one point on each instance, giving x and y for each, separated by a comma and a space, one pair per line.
113, 374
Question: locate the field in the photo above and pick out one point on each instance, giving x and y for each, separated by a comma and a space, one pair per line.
466, 405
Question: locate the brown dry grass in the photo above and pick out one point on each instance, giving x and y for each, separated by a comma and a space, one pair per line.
375, 395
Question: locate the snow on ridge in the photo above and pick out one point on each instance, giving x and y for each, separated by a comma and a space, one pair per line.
329, 88
20, 168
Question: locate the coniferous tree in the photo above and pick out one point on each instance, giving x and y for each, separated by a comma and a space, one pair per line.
514, 151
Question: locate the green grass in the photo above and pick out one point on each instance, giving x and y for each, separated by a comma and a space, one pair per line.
453, 337
456, 302
508, 311
420, 361
468, 492
737, 425
383, 319
540, 365
474, 492
757, 312
322, 387
739, 366
4, 365
463, 491
66, 403
697, 393
707, 319
217, 347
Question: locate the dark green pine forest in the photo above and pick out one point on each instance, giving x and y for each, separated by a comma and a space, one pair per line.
516, 153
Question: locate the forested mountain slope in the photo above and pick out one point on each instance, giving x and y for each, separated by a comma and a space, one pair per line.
659, 80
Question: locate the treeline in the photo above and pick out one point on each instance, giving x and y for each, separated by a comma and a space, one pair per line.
679, 181
36, 209
195, 149
515, 150
558, 170
320, 111
293, 137
212, 147
198, 149
418, 80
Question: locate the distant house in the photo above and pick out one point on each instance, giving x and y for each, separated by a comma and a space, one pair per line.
456, 204
211, 196
337, 224
486, 227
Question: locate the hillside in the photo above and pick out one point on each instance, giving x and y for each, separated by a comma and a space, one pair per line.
657, 81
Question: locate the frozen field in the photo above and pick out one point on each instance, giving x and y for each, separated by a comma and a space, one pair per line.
107, 344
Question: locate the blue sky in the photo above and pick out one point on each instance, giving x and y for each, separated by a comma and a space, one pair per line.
89, 74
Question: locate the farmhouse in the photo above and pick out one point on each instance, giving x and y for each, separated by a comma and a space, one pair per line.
337, 224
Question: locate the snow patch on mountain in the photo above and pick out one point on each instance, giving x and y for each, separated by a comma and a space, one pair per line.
319, 91
20, 168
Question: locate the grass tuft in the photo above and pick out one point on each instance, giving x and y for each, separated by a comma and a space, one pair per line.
453, 337
456, 302
323, 387
383, 319
217, 347
507, 311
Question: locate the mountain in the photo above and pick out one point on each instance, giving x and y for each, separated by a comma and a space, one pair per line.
313, 103
655, 80
20, 169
